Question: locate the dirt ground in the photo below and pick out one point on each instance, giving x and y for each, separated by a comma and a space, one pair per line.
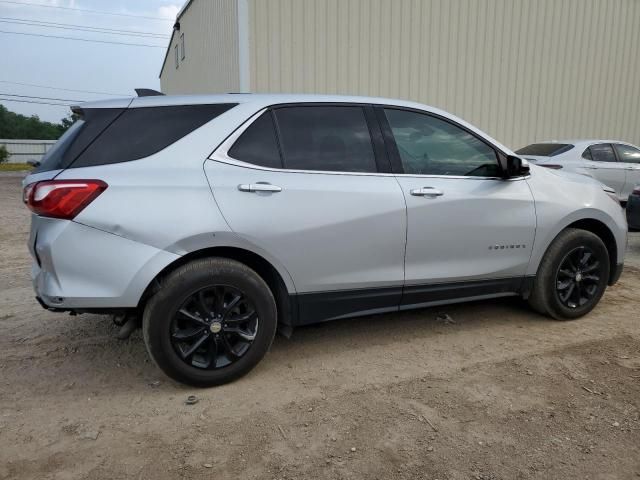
502, 393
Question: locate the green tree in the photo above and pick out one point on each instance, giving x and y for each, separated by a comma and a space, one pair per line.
68, 121
16, 126
4, 154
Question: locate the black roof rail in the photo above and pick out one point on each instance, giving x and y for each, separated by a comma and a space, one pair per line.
147, 92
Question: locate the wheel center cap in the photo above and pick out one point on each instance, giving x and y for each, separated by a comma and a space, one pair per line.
215, 327
578, 277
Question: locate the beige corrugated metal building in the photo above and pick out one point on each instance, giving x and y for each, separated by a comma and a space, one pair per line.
522, 70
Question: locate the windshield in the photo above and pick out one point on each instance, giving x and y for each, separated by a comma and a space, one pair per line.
545, 149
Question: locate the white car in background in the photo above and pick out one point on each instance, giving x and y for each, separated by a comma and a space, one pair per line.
614, 163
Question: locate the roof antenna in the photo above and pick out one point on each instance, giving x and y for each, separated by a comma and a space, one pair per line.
147, 92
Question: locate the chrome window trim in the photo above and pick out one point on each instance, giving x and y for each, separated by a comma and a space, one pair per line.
221, 154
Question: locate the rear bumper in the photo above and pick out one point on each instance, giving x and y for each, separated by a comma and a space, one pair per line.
47, 307
77, 267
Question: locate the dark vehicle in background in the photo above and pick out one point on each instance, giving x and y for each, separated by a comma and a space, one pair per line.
633, 210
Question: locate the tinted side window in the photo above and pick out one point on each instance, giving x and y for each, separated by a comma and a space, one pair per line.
258, 144
628, 154
331, 138
587, 154
603, 152
79, 136
140, 132
431, 146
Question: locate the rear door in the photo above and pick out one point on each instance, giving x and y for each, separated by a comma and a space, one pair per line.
469, 232
307, 184
629, 157
601, 161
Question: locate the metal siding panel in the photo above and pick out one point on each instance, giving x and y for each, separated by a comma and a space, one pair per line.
522, 70
310, 48
211, 64
330, 68
632, 99
298, 54
325, 28
375, 45
385, 48
274, 56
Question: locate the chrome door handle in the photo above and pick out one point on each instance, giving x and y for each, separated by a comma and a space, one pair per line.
590, 167
632, 168
426, 192
259, 187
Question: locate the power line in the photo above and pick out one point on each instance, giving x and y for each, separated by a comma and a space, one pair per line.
81, 39
34, 101
68, 26
65, 89
41, 98
100, 12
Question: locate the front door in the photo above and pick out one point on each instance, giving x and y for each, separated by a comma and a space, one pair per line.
469, 232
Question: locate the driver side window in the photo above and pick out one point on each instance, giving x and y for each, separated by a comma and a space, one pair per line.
430, 146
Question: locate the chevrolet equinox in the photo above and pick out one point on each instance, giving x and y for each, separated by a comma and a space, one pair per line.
218, 219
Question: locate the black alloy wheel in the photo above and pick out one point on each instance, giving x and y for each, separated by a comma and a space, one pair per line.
572, 276
214, 327
210, 321
579, 277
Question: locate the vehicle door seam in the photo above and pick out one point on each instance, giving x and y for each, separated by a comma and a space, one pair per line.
535, 230
406, 238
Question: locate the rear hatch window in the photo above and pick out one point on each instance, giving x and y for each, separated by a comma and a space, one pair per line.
545, 149
103, 135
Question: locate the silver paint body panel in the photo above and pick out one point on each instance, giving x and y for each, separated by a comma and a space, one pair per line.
323, 231
332, 232
449, 236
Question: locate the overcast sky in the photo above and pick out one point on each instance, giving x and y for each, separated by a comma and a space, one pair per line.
78, 65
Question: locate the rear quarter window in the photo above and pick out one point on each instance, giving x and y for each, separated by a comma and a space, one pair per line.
77, 138
258, 144
140, 132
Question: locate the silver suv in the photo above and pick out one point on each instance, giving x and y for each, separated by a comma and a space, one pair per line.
614, 163
219, 219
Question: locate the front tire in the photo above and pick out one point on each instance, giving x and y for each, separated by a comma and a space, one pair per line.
572, 275
211, 322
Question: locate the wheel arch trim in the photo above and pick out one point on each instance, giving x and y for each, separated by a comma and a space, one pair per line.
194, 246
592, 220
230, 245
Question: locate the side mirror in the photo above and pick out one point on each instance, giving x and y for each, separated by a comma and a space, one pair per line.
516, 167
33, 163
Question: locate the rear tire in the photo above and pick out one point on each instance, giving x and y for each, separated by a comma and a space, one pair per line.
211, 322
572, 275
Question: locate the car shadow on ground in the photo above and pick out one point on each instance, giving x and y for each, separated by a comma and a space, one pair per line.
86, 351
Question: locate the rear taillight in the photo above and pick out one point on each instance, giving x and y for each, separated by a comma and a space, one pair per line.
61, 198
553, 166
